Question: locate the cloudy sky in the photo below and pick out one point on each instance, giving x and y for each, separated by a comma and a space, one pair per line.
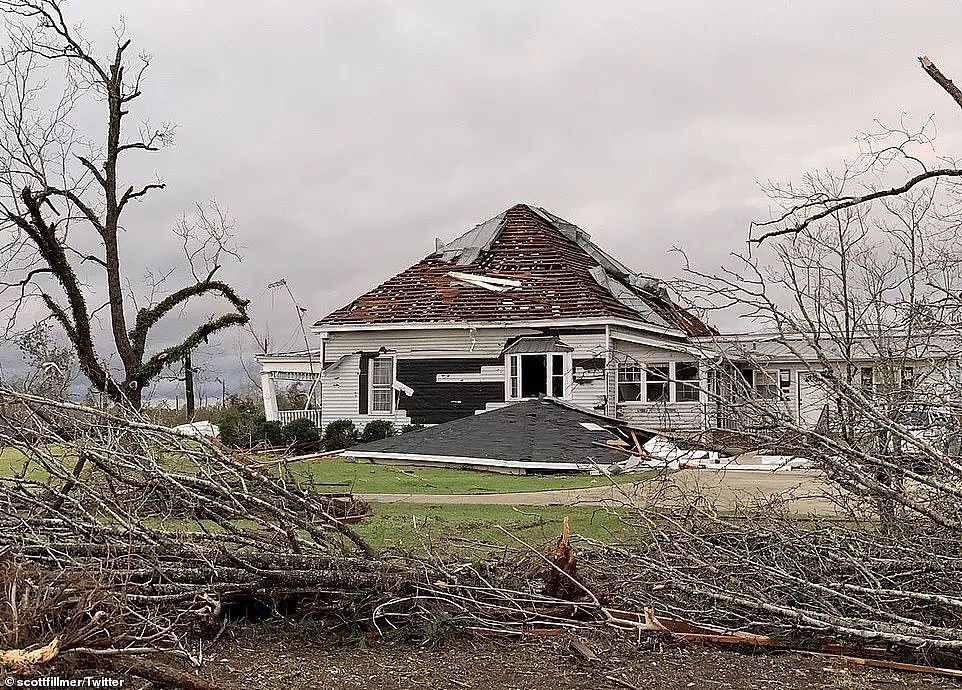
345, 136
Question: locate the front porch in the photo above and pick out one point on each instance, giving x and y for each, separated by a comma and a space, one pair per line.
292, 367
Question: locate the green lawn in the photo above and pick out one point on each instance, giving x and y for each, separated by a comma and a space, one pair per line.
362, 477
474, 528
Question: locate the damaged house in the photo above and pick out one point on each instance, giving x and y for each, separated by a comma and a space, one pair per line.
525, 307
522, 306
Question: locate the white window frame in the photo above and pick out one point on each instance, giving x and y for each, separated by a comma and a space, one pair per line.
785, 384
640, 381
695, 383
671, 382
371, 386
512, 374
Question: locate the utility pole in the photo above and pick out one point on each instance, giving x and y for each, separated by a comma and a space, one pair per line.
223, 391
189, 387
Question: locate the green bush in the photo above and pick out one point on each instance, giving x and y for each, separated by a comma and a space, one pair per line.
376, 430
302, 432
407, 428
267, 433
236, 427
341, 433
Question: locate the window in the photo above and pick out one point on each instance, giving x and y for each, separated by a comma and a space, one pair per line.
766, 386
785, 383
382, 384
629, 383
908, 377
687, 384
533, 375
867, 380
656, 382
557, 376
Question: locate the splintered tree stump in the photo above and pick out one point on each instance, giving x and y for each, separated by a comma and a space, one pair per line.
562, 581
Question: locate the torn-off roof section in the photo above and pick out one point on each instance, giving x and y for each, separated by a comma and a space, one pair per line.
626, 296
522, 265
465, 250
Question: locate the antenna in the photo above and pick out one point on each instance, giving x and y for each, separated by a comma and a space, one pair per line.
300, 311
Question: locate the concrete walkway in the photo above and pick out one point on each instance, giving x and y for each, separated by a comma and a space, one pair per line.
727, 490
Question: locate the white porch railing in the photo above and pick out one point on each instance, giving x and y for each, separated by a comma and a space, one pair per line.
285, 416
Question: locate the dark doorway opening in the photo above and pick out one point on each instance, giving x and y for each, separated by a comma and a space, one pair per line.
534, 376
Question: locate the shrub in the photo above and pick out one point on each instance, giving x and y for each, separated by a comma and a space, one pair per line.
302, 432
341, 433
268, 433
236, 427
407, 428
376, 430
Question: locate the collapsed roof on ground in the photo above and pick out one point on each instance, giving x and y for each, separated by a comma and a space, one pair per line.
530, 436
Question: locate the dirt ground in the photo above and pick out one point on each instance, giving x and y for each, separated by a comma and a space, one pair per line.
276, 658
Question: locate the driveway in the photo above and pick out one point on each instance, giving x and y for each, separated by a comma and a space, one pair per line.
726, 489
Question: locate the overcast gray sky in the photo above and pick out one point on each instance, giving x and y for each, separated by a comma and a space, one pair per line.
345, 136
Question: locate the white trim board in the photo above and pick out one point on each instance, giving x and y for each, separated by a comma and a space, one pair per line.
477, 462
322, 329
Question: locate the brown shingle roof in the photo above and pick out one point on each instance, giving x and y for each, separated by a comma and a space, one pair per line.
525, 244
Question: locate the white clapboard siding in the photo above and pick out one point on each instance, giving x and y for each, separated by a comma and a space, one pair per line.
339, 394
339, 386
684, 416
424, 343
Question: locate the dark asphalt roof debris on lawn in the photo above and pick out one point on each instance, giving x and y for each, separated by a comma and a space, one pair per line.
543, 431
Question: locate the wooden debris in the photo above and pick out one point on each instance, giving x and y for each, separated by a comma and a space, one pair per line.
25, 660
583, 650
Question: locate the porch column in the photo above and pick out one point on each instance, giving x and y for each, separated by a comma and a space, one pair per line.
269, 392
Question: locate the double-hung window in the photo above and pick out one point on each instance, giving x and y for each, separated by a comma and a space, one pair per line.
687, 383
785, 383
656, 382
629, 383
382, 385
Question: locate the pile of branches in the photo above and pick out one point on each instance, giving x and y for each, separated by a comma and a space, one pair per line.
120, 536
847, 578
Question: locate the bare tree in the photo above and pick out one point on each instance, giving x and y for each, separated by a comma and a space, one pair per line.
857, 283
64, 200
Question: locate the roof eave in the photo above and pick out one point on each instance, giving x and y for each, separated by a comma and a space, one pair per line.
320, 328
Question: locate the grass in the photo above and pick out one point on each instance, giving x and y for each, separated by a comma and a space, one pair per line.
467, 528
369, 478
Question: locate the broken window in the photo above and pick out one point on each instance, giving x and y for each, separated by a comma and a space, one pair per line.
656, 382
382, 384
629, 383
687, 384
533, 375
